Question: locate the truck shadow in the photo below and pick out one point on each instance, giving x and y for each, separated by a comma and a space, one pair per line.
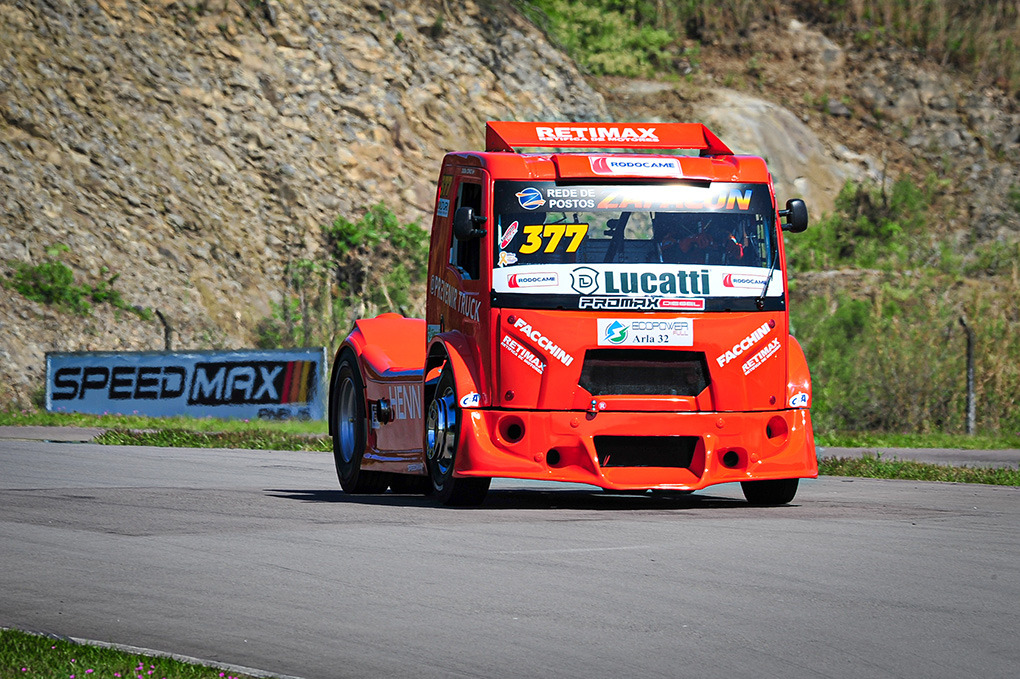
528, 499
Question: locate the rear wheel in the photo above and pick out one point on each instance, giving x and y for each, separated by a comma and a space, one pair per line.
767, 493
350, 430
442, 434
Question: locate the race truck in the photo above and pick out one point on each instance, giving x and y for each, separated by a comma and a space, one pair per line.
618, 319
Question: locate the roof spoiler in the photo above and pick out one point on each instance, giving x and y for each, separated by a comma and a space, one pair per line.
505, 136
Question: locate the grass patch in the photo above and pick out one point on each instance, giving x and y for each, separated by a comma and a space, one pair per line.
183, 438
934, 440
875, 467
42, 657
137, 422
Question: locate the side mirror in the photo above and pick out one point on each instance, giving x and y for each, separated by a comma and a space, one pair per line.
466, 224
795, 215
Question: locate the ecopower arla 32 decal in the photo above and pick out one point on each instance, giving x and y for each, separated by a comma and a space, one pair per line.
664, 246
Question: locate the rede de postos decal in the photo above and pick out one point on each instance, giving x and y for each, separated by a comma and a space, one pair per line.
530, 198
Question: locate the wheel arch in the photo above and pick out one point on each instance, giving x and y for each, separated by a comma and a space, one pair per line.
451, 349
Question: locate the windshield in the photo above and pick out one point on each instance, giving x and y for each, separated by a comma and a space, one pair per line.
672, 246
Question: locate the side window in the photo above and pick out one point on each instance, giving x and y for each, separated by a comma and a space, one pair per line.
466, 255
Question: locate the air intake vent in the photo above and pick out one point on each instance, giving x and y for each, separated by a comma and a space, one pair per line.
645, 451
644, 372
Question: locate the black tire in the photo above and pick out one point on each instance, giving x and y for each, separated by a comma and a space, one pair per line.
350, 430
442, 435
410, 484
770, 493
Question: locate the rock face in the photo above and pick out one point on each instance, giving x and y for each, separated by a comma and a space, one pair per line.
195, 148
800, 164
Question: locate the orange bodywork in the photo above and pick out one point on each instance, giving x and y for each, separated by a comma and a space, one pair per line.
559, 375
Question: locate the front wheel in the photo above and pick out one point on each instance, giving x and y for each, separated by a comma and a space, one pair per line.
350, 430
769, 493
442, 434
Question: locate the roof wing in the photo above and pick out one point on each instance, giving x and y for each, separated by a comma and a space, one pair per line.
506, 135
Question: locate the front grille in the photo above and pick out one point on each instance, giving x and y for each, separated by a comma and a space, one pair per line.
645, 451
644, 372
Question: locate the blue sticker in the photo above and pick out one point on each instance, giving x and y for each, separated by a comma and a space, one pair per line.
530, 198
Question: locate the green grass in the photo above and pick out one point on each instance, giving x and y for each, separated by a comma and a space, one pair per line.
194, 424
41, 657
183, 438
875, 467
934, 440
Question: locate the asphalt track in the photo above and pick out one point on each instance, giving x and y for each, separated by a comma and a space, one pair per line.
257, 559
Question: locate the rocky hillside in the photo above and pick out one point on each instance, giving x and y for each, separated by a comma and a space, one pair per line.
194, 148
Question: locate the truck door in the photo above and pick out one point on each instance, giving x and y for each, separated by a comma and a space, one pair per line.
459, 284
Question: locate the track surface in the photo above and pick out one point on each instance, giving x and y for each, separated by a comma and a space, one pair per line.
257, 559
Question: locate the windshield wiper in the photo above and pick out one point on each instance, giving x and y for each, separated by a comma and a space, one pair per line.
760, 299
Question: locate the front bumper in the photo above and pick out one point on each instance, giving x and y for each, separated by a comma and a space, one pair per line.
561, 446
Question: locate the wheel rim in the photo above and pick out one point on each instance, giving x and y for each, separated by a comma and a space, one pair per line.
347, 419
440, 432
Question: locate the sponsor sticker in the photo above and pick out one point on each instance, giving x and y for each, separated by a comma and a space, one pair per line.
542, 341
598, 133
530, 198
799, 400
635, 165
506, 258
542, 279
640, 303
746, 343
508, 235
584, 280
661, 332
743, 281
470, 400
523, 354
763, 355
691, 304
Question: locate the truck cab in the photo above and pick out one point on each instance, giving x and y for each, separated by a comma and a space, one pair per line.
618, 319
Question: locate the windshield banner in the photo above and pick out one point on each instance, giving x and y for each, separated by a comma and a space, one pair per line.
638, 280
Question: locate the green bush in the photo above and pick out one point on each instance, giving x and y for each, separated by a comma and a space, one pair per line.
871, 228
895, 359
368, 266
52, 282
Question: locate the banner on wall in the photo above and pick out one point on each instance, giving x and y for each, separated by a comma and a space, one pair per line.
276, 384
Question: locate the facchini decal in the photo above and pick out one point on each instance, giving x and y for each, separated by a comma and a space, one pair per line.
747, 343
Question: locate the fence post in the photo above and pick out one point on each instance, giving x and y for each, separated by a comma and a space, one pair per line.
168, 331
971, 406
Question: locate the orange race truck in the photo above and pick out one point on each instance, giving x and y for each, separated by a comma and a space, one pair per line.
617, 319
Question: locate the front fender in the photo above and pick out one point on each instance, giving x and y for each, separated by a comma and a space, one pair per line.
452, 351
384, 345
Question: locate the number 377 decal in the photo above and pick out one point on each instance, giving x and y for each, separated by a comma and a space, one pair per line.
551, 235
